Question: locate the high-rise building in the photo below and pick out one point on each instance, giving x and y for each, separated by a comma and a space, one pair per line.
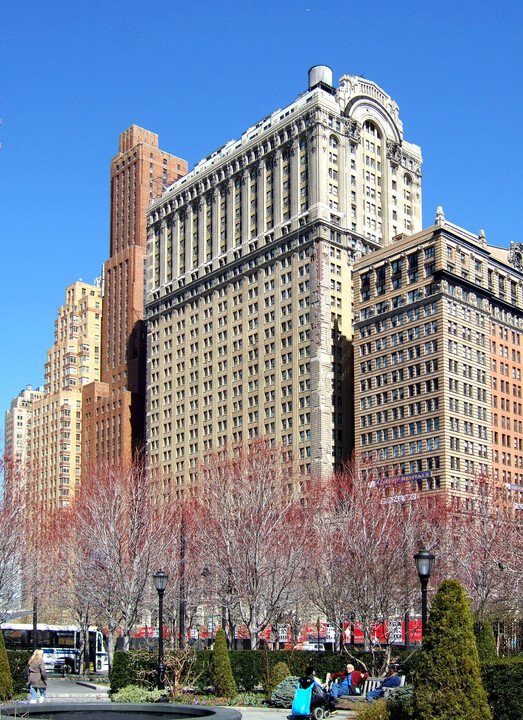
17, 441
55, 453
249, 277
438, 336
114, 408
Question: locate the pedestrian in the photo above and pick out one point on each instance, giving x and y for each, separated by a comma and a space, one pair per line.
37, 678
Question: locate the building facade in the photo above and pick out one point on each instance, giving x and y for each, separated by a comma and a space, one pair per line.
249, 278
437, 374
74, 360
114, 407
17, 439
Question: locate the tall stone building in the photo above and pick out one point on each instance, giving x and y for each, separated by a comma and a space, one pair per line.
437, 367
249, 277
55, 452
17, 440
114, 407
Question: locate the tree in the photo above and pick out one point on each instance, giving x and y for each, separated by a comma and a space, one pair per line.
249, 513
360, 570
11, 517
447, 678
120, 533
482, 548
67, 563
222, 678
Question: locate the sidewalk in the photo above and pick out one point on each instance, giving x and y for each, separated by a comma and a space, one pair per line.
71, 690
74, 690
250, 713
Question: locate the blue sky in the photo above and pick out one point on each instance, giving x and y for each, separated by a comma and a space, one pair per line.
75, 75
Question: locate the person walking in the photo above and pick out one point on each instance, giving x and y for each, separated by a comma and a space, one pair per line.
37, 678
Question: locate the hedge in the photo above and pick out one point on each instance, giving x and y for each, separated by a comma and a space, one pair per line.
250, 668
503, 681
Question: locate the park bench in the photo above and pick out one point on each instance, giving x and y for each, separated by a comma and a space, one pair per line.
371, 683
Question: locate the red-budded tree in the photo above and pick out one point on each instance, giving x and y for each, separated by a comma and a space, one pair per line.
10, 557
482, 548
254, 532
368, 532
120, 533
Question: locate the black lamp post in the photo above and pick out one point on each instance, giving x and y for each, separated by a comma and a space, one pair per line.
160, 583
424, 561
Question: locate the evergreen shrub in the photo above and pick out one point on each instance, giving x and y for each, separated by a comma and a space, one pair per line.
222, 677
485, 641
123, 671
278, 673
399, 703
18, 659
503, 682
6, 680
447, 680
283, 693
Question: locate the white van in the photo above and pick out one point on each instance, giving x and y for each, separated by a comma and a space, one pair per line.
313, 647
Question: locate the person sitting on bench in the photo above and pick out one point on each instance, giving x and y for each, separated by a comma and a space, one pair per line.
392, 680
349, 682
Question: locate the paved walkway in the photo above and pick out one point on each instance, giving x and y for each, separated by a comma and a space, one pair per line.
72, 690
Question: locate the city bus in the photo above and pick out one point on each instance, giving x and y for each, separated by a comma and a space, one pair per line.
60, 645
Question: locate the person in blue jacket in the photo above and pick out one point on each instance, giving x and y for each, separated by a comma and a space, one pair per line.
392, 680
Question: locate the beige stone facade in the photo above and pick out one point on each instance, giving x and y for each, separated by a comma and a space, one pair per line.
73, 361
17, 439
249, 278
438, 326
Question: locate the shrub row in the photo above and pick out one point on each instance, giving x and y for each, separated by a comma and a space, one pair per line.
503, 681
250, 669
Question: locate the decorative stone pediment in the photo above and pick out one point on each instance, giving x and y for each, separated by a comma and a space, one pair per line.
515, 256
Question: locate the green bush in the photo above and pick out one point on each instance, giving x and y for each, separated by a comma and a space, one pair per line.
503, 682
373, 711
123, 673
222, 677
6, 680
137, 694
278, 673
485, 641
18, 659
447, 680
246, 668
399, 703
283, 694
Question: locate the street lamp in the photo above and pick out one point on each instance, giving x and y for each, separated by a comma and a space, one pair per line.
160, 583
424, 561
